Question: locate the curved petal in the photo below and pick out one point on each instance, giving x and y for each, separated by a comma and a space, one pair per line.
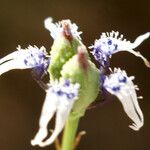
111, 43
53, 28
12, 64
132, 109
140, 39
137, 54
32, 57
122, 86
62, 115
48, 110
60, 98
12, 55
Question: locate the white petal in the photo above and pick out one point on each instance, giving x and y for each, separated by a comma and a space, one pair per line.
57, 100
10, 56
53, 28
12, 64
62, 115
122, 86
147, 63
132, 109
128, 46
48, 110
23, 59
117, 44
123, 44
136, 104
140, 39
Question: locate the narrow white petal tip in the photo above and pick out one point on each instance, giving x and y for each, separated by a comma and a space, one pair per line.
39, 143
40, 136
136, 127
140, 39
148, 65
146, 35
136, 43
34, 143
51, 139
53, 28
43, 144
47, 22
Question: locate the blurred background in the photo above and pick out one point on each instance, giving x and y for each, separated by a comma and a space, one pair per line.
21, 99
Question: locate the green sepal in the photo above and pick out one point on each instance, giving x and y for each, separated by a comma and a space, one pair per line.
88, 79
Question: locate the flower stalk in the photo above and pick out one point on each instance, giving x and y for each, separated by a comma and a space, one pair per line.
70, 131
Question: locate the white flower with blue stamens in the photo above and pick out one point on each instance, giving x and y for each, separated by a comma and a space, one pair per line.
60, 98
32, 57
111, 43
57, 28
120, 85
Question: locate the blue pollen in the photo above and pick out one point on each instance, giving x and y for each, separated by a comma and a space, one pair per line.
41, 56
101, 56
38, 71
59, 93
97, 50
31, 55
70, 95
67, 83
109, 42
124, 80
108, 53
117, 88
116, 46
102, 79
25, 61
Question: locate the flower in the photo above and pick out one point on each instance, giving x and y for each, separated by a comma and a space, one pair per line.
120, 85
111, 43
60, 98
74, 79
32, 57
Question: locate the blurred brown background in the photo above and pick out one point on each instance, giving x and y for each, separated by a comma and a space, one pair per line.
21, 22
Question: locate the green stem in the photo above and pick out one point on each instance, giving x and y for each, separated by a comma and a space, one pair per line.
70, 132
